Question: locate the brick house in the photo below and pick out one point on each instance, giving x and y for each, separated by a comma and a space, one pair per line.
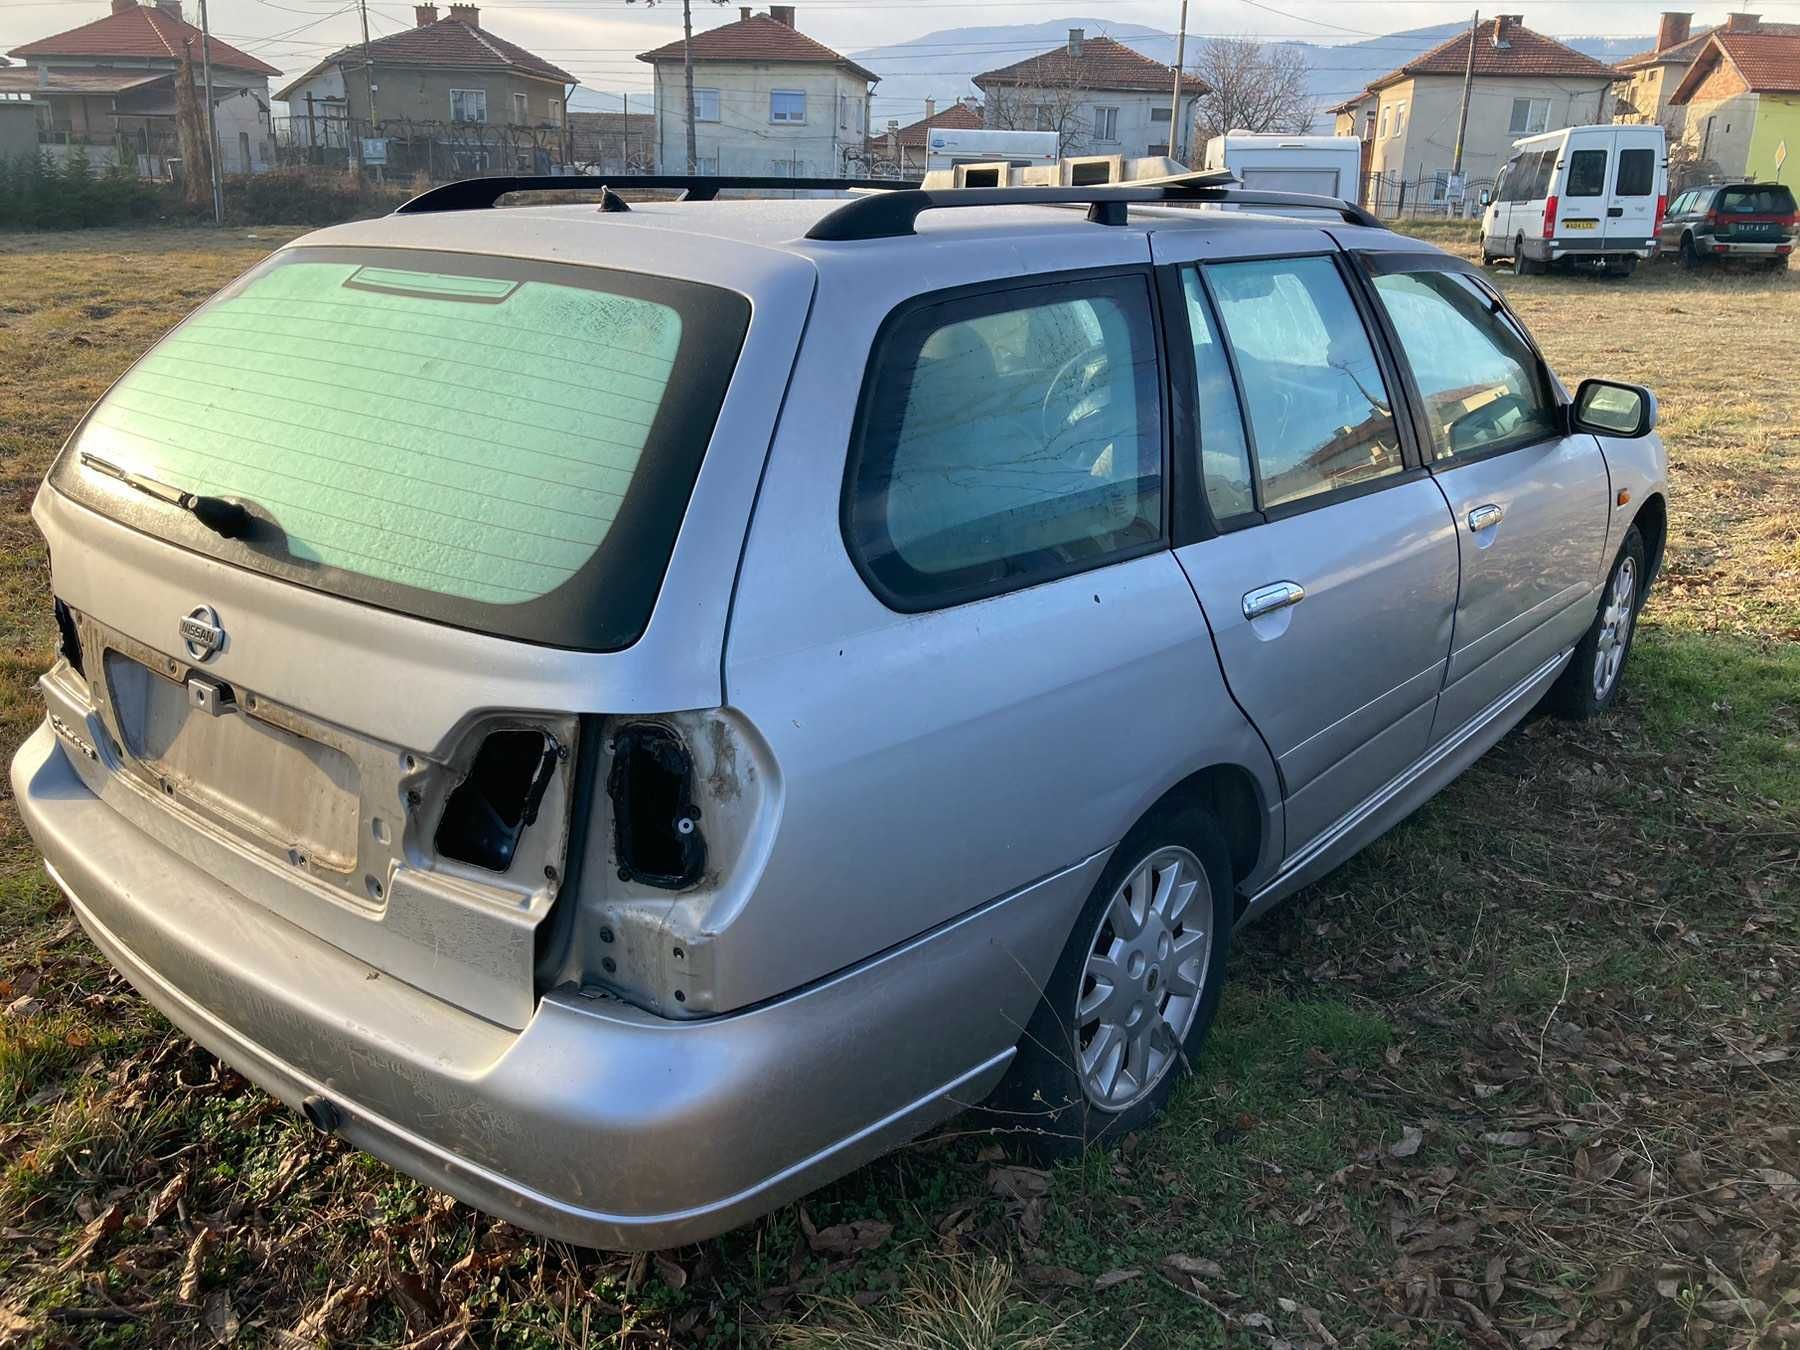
1649, 79
1742, 99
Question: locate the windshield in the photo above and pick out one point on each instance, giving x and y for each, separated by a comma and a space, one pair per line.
507, 446
1757, 201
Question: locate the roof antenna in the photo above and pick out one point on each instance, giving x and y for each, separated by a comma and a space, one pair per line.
612, 201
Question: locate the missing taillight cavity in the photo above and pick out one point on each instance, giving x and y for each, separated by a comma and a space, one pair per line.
491, 808
656, 824
68, 639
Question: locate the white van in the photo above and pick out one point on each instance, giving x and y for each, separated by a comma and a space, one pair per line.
1583, 196
1327, 166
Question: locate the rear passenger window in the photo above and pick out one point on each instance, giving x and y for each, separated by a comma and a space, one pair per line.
1479, 380
1541, 176
1006, 439
1587, 174
1318, 408
1637, 173
1224, 455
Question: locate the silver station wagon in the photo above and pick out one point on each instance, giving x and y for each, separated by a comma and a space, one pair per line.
627, 714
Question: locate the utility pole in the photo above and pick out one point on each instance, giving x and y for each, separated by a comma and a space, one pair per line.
368, 74
212, 121
687, 71
1175, 127
1462, 118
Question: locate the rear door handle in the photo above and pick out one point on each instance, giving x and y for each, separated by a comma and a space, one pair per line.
1615, 211
1486, 517
1267, 599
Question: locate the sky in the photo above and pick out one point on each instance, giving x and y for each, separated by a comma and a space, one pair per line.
597, 39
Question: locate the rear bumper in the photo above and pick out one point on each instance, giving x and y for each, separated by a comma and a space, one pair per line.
1761, 248
598, 1124
1567, 247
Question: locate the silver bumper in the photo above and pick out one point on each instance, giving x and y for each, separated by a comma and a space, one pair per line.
598, 1124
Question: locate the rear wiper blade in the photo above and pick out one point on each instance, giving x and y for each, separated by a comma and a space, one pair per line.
221, 515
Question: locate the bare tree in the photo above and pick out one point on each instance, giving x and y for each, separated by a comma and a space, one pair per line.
1056, 104
1252, 86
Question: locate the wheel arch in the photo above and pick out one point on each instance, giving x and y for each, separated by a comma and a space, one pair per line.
1234, 797
1652, 521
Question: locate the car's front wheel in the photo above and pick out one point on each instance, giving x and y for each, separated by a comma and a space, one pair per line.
1592, 678
1133, 994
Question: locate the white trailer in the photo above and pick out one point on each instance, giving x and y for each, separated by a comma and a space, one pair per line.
1327, 166
948, 147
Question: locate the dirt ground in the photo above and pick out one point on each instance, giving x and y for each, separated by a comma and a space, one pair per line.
1522, 1074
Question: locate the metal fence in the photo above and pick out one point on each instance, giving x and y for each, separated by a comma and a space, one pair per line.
407, 149
1426, 196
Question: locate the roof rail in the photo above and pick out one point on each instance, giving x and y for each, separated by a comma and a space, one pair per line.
474, 194
895, 213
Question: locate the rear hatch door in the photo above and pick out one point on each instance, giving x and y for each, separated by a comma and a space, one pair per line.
1584, 191
481, 510
1638, 178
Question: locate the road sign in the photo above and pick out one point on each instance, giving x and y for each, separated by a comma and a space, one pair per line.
1780, 157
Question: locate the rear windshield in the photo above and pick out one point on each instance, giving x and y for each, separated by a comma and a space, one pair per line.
501, 445
1773, 200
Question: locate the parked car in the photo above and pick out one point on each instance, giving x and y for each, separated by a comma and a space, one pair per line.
1732, 221
630, 715
1579, 197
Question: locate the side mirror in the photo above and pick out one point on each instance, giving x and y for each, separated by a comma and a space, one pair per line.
1487, 197
1607, 408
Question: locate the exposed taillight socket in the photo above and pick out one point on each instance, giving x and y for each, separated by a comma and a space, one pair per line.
68, 637
488, 811
656, 824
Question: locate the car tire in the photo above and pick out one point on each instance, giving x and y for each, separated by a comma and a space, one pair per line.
1523, 266
1072, 1082
1621, 267
1590, 683
1690, 256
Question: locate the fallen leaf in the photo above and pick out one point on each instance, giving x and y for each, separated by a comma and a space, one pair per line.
165, 1199
1112, 1277
192, 1268
1062, 1275
1496, 1279
221, 1317
1316, 1325
1196, 1267
1410, 1139
1775, 1177
1018, 1183
675, 1275
25, 1006
841, 1240
1507, 1138
102, 1224
1545, 1339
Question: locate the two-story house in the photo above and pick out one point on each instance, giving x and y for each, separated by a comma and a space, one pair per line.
457, 96
107, 90
1649, 79
768, 100
1099, 96
1524, 83
1742, 97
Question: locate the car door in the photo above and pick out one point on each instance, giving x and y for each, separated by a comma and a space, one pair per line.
1327, 563
1637, 176
1669, 236
1496, 225
1531, 503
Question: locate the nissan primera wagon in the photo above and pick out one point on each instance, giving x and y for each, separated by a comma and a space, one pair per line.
627, 714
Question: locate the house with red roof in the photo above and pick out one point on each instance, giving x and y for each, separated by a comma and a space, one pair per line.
1648, 79
1742, 98
106, 89
768, 100
1524, 83
455, 94
901, 151
1100, 97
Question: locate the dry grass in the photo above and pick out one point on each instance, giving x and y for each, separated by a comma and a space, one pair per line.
1523, 1074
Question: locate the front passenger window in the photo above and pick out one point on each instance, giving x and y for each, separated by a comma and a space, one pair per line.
1318, 408
1479, 380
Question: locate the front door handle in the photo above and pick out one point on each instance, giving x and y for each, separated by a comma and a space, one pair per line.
1267, 599
1485, 517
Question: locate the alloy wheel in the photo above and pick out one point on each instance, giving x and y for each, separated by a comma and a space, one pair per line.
1615, 627
1140, 988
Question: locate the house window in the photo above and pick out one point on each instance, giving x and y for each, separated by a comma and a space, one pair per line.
468, 105
1106, 124
1399, 119
787, 105
706, 105
1385, 112
521, 111
1159, 114
1529, 116
1046, 117
556, 112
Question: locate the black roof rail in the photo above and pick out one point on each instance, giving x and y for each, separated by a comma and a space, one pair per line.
474, 194
895, 213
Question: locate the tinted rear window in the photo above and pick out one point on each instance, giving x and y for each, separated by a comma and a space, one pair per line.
1637, 173
501, 445
1757, 201
1587, 174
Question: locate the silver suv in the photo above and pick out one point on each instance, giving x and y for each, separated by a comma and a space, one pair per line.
627, 714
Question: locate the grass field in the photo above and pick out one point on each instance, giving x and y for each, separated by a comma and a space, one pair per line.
1522, 1074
